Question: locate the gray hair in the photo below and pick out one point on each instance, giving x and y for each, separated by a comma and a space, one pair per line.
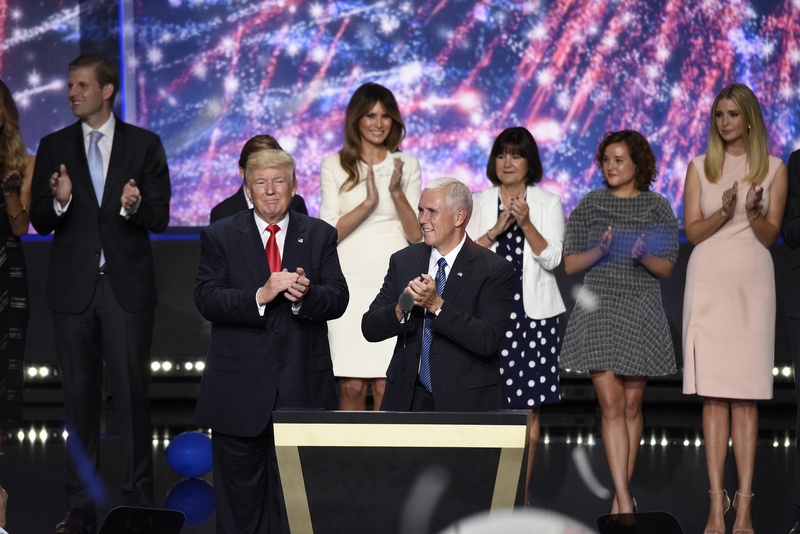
271, 159
457, 195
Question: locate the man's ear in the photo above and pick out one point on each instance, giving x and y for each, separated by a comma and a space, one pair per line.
461, 218
108, 90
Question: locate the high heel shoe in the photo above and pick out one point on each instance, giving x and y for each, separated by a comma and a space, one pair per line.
735, 507
725, 511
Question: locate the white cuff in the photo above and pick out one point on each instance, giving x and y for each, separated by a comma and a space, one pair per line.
60, 211
127, 213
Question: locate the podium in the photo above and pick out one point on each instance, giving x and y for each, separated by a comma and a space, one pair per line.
394, 472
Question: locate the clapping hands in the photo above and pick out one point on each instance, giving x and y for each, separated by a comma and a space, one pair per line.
372, 190
11, 182
753, 200
729, 200
519, 209
293, 285
395, 182
639, 249
61, 185
605, 241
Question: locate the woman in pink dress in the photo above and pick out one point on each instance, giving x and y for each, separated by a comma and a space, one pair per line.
733, 205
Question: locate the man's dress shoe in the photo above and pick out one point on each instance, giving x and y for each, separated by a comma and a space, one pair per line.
78, 521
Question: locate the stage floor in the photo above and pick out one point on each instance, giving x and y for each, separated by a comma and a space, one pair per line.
570, 477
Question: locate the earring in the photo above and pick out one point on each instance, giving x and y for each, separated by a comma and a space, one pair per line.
748, 129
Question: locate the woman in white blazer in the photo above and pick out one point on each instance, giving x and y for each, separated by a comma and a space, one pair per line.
525, 224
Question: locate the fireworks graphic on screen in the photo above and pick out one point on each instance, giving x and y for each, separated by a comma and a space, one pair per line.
209, 74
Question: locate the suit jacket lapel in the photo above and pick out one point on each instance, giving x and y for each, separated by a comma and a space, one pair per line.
80, 174
295, 244
115, 162
418, 265
250, 246
421, 262
460, 270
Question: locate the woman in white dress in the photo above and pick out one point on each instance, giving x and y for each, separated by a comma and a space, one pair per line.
370, 192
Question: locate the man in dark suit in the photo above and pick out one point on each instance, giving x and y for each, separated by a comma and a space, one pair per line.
790, 232
239, 201
457, 368
268, 279
101, 185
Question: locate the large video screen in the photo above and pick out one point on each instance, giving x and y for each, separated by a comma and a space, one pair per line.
208, 74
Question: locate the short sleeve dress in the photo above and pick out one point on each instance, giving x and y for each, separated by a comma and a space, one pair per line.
729, 297
364, 256
618, 322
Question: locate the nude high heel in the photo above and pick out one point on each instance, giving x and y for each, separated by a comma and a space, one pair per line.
725, 511
735, 506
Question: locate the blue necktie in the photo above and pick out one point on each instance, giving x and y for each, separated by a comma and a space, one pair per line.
427, 334
96, 165
96, 172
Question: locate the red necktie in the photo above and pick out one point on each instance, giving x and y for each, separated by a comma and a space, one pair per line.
273, 254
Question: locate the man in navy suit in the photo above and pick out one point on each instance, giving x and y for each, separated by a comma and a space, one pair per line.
101, 186
239, 201
269, 336
461, 371
790, 232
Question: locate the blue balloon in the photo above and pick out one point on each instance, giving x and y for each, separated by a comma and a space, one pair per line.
194, 497
189, 454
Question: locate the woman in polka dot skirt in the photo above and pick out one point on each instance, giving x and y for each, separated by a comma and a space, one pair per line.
525, 224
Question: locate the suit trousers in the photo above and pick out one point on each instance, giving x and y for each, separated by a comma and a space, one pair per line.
794, 348
106, 334
247, 484
422, 401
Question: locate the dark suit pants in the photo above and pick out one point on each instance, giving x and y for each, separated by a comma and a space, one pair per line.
106, 333
422, 401
794, 344
246, 483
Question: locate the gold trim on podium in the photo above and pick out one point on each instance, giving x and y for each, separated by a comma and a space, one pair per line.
400, 435
511, 439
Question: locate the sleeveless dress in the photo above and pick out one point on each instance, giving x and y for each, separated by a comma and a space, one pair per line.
618, 322
13, 322
729, 299
364, 257
530, 349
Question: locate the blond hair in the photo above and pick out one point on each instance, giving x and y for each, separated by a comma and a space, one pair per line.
271, 159
755, 137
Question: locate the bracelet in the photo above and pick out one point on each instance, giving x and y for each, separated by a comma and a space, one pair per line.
758, 214
491, 240
23, 210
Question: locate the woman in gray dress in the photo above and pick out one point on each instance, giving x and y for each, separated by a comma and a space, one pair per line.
625, 237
